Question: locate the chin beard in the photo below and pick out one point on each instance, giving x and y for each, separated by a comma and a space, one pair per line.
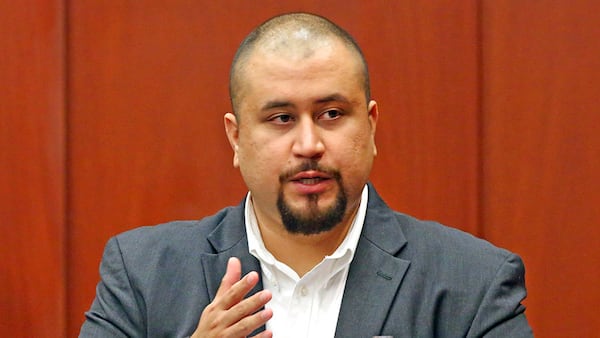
313, 221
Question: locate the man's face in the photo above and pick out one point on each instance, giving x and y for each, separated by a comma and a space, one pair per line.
304, 141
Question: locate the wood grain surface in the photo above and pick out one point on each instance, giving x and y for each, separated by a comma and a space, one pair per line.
111, 117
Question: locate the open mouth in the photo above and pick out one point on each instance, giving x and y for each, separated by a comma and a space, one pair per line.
310, 177
310, 180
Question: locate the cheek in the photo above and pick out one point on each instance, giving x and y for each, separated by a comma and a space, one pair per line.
359, 145
259, 162
251, 160
358, 159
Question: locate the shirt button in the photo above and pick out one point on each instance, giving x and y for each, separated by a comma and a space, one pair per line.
303, 291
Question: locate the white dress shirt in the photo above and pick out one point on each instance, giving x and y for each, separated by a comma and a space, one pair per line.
307, 306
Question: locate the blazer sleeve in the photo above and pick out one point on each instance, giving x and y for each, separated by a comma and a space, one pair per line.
501, 313
116, 311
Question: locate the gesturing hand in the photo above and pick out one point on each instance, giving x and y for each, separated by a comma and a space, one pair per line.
229, 314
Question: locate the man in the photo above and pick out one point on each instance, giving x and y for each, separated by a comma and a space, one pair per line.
312, 251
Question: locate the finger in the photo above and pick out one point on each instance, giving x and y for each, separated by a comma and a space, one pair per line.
248, 306
240, 320
248, 324
230, 308
238, 291
232, 275
264, 334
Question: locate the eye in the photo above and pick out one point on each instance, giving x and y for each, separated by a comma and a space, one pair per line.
281, 119
331, 114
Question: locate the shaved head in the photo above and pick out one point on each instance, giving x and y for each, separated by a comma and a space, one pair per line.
294, 36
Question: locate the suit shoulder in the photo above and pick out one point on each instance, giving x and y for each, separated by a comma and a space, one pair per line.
173, 236
456, 263
446, 244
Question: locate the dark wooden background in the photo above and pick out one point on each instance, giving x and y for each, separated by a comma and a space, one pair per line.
111, 118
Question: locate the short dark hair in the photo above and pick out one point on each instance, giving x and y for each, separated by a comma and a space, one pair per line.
317, 25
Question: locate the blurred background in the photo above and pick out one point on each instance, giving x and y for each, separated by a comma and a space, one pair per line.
111, 117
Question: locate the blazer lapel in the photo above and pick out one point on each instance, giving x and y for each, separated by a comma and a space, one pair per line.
375, 273
229, 240
215, 265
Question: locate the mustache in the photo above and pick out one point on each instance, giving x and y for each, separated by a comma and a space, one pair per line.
307, 166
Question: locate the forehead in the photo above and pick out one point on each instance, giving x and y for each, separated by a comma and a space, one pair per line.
328, 64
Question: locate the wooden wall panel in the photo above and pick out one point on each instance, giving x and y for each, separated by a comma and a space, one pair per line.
148, 88
32, 170
542, 154
425, 73
148, 92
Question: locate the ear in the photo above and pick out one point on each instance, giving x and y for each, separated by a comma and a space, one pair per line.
233, 135
373, 117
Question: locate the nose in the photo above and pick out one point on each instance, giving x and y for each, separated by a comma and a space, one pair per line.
308, 142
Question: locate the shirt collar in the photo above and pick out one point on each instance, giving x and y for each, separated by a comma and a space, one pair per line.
257, 247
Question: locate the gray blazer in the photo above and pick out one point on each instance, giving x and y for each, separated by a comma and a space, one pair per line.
409, 278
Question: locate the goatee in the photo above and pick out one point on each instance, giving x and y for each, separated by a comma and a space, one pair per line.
312, 220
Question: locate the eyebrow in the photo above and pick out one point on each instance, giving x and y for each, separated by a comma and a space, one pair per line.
336, 97
277, 104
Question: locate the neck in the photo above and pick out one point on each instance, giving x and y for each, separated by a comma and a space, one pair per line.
303, 252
